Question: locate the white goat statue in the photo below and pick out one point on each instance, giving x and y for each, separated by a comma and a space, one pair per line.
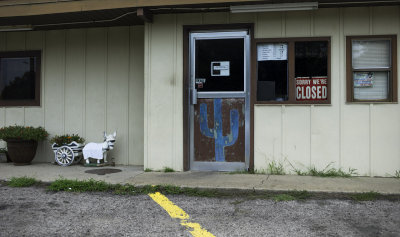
99, 150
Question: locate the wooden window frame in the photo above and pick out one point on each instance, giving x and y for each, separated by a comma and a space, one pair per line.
291, 70
16, 54
392, 93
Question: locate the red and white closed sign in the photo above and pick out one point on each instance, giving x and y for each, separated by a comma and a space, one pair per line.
315, 88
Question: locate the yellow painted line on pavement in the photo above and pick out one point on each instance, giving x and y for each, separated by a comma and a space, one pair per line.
177, 213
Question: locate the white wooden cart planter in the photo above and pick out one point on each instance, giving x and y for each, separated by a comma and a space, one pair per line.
67, 154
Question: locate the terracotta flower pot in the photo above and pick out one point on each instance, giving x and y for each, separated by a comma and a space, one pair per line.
21, 152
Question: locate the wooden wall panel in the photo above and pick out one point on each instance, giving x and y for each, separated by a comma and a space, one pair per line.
296, 141
267, 136
136, 95
95, 96
298, 24
74, 85
118, 90
356, 21
161, 99
269, 25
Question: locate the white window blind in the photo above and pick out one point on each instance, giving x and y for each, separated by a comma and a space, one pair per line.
378, 90
371, 54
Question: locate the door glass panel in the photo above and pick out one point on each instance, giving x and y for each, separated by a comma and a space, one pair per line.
219, 65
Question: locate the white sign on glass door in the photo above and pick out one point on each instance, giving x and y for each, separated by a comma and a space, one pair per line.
220, 68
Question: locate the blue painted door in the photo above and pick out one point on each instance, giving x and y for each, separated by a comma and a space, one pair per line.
220, 105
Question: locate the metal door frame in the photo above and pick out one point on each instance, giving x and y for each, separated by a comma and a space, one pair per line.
223, 34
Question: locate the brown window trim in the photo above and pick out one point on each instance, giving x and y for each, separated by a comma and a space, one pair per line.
36, 101
392, 96
291, 68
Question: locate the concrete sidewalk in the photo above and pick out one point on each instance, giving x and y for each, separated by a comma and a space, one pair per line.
214, 180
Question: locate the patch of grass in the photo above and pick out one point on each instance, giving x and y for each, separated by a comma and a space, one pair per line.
283, 198
22, 182
369, 196
90, 185
100, 186
275, 168
328, 171
168, 170
300, 195
148, 170
397, 174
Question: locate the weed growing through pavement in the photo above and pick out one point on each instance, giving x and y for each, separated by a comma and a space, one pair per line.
90, 185
369, 196
22, 182
168, 170
275, 168
328, 171
148, 170
397, 174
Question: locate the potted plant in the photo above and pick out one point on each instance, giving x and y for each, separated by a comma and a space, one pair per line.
22, 142
67, 148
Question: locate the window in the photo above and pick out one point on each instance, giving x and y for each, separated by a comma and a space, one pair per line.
293, 71
20, 78
371, 69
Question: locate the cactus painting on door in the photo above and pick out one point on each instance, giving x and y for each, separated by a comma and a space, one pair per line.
219, 130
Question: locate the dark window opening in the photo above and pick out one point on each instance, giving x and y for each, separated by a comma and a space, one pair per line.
292, 70
219, 65
311, 59
20, 78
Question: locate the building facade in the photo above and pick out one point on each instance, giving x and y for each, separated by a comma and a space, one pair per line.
208, 86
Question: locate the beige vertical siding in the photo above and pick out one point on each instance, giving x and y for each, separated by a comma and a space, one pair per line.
361, 136
92, 81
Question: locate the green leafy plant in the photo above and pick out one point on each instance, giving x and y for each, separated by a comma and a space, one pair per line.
90, 185
66, 139
397, 174
18, 132
168, 170
369, 196
148, 170
22, 182
328, 171
275, 168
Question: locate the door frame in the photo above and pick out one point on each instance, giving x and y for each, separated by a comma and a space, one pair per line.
187, 85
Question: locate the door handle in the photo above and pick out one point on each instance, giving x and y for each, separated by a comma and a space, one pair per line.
194, 96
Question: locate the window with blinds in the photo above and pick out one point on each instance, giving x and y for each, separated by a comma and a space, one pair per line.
370, 68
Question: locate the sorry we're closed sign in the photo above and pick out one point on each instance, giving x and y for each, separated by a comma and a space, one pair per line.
314, 88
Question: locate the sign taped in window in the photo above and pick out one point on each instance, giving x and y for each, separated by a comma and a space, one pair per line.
219, 69
363, 79
315, 88
272, 51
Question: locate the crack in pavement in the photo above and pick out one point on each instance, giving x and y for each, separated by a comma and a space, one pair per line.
132, 179
262, 182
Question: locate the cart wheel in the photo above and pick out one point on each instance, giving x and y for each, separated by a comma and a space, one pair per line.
64, 156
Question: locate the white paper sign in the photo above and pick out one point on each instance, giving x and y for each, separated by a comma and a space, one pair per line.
220, 68
273, 51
